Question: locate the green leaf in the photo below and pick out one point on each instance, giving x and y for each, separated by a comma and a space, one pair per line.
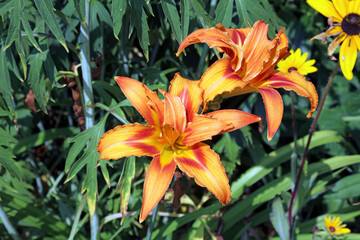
279, 220
202, 14
36, 79
79, 141
118, 9
127, 178
5, 86
41, 137
171, 14
185, 18
277, 157
6, 155
270, 190
104, 171
253, 10
12, 65
6, 6
223, 12
90, 183
46, 10
139, 21
29, 31
102, 13
51, 70
346, 187
23, 58
178, 222
14, 28
80, 9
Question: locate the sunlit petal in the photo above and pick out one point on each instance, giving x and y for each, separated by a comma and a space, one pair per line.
219, 78
347, 57
203, 128
129, 140
157, 181
136, 92
175, 113
274, 109
189, 93
296, 82
236, 118
326, 8
203, 164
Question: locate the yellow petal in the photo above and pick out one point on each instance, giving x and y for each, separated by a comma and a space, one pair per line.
347, 58
341, 7
157, 181
203, 164
326, 8
129, 140
274, 109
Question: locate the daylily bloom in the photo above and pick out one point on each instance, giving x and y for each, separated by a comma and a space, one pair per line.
173, 137
297, 62
344, 19
248, 66
335, 227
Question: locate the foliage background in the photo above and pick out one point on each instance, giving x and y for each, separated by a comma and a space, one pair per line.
48, 166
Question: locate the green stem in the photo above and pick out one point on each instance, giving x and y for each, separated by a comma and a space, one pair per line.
311, 132
88, 91
77, 218
8, 226
152, 223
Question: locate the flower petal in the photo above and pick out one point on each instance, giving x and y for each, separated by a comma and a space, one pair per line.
274, 109
236, 118
348, 54
189, 93
203, 128
333, 46
174, 113
203, 164
296, 82
326, 8
136, 92
157, 181
332, 31
129, 140
219, 78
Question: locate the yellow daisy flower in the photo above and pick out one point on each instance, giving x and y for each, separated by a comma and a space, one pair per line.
335, 227
344, 19
297, 62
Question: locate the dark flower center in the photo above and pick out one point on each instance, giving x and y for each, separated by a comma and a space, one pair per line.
332, 229
292, 69
351, 24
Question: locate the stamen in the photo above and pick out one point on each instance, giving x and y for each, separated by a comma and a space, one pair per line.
351, 24
292, 69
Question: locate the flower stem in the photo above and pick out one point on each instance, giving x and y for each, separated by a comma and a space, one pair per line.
88, 91
8, 226
311, 132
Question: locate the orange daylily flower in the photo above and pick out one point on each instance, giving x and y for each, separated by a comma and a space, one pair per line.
248, 66
173, 137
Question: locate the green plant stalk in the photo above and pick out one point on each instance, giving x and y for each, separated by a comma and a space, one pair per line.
151, 225
311, 132
8, 226
77, 218
88, 91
